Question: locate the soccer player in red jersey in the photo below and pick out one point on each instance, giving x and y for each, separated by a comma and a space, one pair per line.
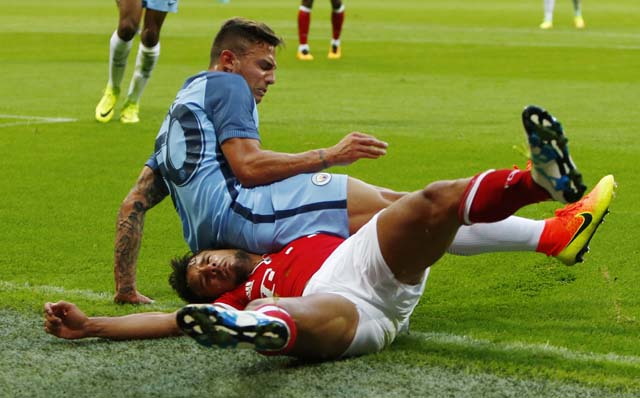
322, 297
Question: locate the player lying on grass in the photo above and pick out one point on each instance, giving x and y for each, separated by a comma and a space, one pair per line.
229, 192
355, 294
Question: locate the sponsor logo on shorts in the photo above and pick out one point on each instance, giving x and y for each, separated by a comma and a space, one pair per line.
321, 179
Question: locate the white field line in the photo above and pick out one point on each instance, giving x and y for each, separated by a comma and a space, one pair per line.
441, 338
26, 120
562, 352
60, 293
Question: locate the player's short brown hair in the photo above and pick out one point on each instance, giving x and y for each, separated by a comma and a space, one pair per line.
238, 34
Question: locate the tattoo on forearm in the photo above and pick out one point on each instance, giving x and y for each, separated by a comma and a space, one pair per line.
148, 191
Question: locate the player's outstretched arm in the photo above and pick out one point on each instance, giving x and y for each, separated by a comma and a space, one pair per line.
67, 321
253, 165
148, 191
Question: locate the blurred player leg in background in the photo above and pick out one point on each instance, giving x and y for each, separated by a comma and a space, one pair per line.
578, 21
130, 15
337, 19
547, 23
304, 22
549, 5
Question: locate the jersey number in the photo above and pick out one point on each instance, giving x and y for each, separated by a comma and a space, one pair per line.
185, 147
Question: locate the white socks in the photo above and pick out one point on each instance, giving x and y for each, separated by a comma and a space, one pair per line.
118, 54
512, 234
145, 62
548, 9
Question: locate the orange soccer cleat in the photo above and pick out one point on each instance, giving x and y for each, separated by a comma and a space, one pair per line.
567, 235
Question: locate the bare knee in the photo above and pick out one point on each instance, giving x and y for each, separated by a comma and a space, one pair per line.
127, 28
149, 37
307, 3
335, 4
443, 197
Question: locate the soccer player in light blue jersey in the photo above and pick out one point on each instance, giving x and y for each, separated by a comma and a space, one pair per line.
229, 192
208, 158
130, 15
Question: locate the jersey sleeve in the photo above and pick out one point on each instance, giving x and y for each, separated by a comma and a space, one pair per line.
152, 162
231, 106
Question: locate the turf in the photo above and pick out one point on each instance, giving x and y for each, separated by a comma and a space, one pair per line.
442, 81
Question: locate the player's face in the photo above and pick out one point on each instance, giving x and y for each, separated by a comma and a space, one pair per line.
214, 272
258, 67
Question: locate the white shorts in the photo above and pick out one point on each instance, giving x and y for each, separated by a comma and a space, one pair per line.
357, 272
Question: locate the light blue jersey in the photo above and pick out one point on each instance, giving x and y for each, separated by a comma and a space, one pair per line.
216, 211
161, 5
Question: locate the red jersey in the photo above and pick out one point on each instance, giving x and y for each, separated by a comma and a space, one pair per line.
285, 273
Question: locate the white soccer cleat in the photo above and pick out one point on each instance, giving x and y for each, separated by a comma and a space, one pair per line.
552, 167
212, 325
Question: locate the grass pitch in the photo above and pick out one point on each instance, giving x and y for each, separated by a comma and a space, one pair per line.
442, 81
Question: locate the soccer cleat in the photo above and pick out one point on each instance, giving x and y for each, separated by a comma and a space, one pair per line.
546, 25
335, 52
552, 167
129, 113
304, 55
578, 21
104, 109
567, 235
212, 325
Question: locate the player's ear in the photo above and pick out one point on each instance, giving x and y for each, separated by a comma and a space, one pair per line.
228, 61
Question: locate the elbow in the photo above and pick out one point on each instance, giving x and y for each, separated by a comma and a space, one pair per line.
249, 178
132, 204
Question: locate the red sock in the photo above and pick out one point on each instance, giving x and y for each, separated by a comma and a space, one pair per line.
496, 194
337, 19
304, 20
280, 313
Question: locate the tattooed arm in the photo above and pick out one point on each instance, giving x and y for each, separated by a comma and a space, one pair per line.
148, 191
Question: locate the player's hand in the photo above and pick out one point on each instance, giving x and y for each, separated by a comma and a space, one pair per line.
132, 298
354, 146
65, 320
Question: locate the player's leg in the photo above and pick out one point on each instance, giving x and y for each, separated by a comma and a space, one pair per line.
578, 21
566, 236
130, 13
319, 326
547, 22
416, 230
559, 236
325, 323
304, 22
146, 59
337, 20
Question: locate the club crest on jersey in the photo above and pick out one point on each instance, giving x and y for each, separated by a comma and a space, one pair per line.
320, 179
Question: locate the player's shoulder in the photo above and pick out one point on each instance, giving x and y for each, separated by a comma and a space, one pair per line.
230, 86
227, 79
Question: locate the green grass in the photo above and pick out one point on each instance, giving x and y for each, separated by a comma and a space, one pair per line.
442, 81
